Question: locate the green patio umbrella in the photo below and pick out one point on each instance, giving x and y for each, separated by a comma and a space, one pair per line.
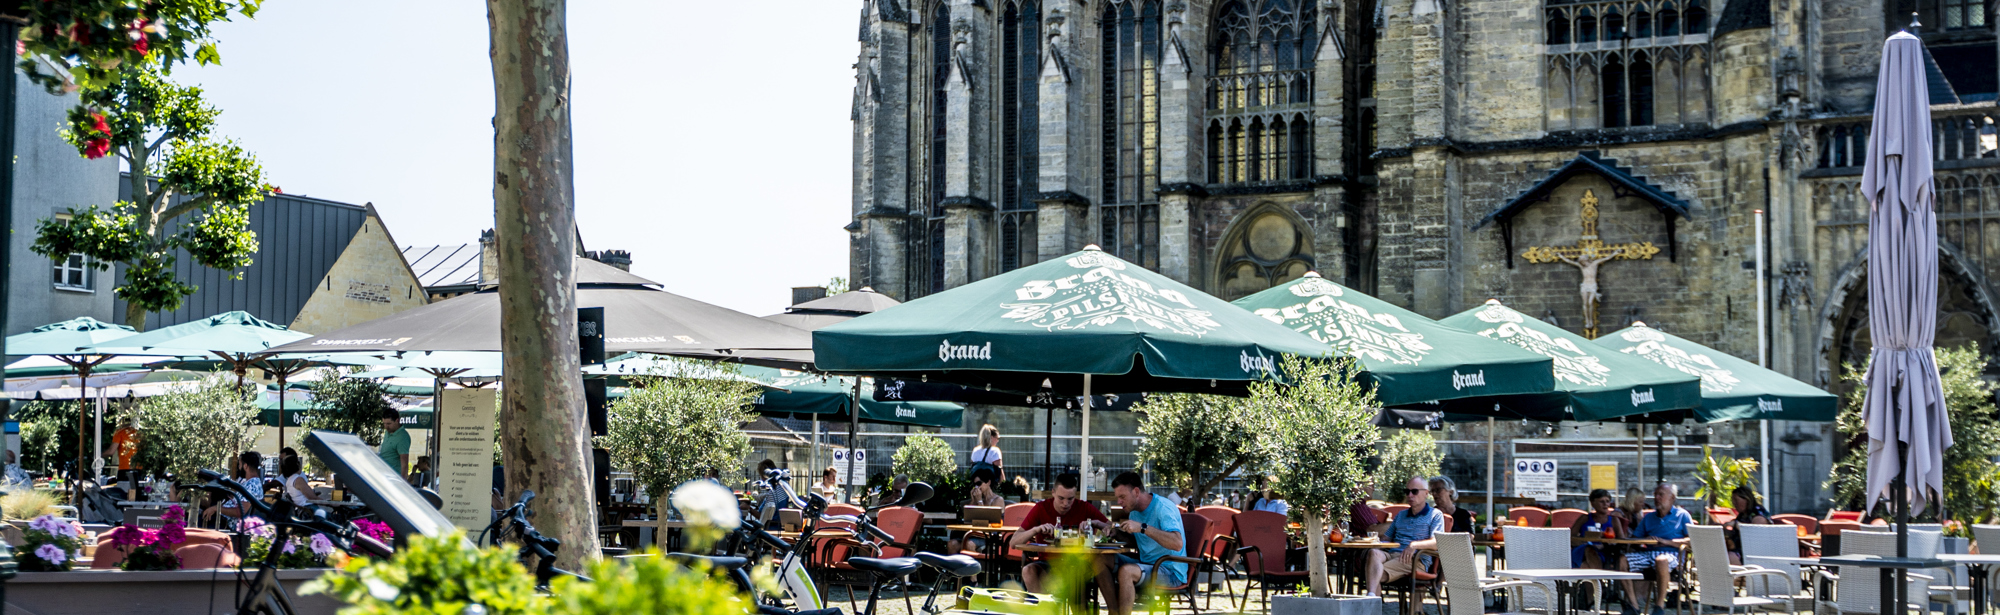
268, 411
1732, 389
1593, 383
62, 341
1084, 322
1409, 358
235, 339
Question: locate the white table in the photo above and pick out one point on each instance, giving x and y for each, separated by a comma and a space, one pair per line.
1565, 580
1976, 569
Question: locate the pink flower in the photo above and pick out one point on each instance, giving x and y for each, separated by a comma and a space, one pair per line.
291, 545
176, 514
128, 536
51, 554
377, 531
172, 534
321, 546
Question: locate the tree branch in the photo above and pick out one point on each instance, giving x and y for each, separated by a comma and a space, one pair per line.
1207, 486
157, 142
200, 202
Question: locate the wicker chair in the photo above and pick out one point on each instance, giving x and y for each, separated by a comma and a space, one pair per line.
1717, 580
1772, 541
1538, 548
1465, 593
1859, 590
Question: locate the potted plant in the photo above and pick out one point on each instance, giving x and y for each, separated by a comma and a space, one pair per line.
152, 549
51, 544
1719, 477
927, 459
1319, 434
672, 427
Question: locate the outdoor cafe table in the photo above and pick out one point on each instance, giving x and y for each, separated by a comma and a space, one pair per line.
1888, 566
1340, 563
1975, 567
1566, 580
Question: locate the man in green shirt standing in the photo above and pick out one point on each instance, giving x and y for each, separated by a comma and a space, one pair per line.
395, 449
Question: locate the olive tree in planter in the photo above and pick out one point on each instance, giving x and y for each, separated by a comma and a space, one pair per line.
928, 459
199, 425
1196, 441
668, 430
1319, 434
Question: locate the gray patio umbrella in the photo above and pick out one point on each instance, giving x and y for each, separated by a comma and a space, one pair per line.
1905, 408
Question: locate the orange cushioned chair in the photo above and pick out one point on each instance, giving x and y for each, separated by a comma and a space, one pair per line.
1536, 516
1565, 517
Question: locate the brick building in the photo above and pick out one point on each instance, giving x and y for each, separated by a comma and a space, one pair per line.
1435, 153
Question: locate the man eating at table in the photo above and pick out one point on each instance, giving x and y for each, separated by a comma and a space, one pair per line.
1667, 525
1411, 529
1156, 524
1063, 510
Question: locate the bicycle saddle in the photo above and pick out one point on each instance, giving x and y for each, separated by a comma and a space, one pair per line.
718, 563
894, 567
954, 565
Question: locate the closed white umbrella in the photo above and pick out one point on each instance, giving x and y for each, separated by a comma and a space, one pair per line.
1905, 409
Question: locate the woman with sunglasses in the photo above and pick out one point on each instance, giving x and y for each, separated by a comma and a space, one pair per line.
1601, 522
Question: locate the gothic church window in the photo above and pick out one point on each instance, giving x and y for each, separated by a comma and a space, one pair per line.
1264, 247
1960, 37
1129, 220
1625, 63
938, 36
1260, 97
1020, 166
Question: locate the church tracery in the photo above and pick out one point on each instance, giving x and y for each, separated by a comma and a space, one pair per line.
1129, 220
1265, 246
1020, 141
1260, 97
1623, 63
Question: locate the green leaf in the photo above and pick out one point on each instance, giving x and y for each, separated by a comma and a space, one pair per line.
207, 54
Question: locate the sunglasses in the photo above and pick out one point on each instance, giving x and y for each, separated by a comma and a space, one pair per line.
1414, 491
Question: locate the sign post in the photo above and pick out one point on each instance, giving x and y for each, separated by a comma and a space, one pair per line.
465, 464
850, 467
1535, 478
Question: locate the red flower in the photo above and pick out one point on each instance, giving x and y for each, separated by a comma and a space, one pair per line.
80, 33
96, 148
100, 127
140, 45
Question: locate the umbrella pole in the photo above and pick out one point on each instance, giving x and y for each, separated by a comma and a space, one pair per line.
281, 413
97, 435
1048, 448
1491, 493
76, 477
1639, 444
812, 453
853, 438
1083, 465
1660, 454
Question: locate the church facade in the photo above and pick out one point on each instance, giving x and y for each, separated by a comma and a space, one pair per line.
1591, 162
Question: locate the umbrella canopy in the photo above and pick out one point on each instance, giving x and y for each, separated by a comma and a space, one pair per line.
1593, 383
1087, 313
63, 338
1732, 389
796, 394
1905, 409
232, 336
1409, 358
44, 365
638, 317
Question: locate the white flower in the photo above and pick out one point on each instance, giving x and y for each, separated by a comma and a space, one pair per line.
703, 502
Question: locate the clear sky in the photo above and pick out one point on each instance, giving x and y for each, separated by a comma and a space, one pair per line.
712, 137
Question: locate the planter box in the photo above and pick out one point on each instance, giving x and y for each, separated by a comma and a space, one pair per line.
171, 592
1335, 605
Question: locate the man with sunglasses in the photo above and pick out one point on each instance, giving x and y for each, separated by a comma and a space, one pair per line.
1411, 529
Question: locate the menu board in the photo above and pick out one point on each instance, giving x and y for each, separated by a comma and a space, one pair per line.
465, 455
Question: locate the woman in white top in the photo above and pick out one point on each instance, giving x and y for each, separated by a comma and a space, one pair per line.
987, 455
292, 474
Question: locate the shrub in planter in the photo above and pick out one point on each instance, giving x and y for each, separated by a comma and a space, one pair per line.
152, 549
297, 552
434, 576
51, 545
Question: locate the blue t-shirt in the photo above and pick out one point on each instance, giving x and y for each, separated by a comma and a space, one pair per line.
1277, 506
1672, 526
1164, 516
1410, 526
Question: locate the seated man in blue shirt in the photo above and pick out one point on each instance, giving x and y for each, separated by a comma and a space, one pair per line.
1412, 529
1667, 524
1156, 523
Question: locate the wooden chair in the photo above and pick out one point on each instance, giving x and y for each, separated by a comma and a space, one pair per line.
1536, 516
1264, 544
1565, 517
1718, 580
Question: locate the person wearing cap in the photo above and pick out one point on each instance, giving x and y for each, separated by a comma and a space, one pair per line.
395, 449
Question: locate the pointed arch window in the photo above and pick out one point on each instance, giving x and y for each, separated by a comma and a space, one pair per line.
1621, 82
1586, 26
938, 40
1558, 28
1020, 138
1130, 94
1260, 98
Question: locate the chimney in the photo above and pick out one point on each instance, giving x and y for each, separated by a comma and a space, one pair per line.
616, 258
489, 259
802, 294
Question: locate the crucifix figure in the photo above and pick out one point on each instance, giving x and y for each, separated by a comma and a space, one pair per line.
1588, 253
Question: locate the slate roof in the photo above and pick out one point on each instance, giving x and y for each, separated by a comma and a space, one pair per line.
1627, 183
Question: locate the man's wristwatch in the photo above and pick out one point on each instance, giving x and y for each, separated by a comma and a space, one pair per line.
1143, 527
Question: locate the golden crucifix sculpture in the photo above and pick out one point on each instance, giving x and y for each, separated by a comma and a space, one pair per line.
1586, 255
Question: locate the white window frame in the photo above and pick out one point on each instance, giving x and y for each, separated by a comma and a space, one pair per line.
62, 268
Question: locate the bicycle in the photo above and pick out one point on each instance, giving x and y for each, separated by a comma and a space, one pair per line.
755, 542
266, 595
533, 543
